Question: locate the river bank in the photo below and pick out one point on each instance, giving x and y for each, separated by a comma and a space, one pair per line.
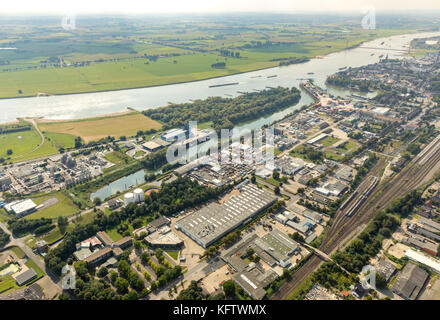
93, 104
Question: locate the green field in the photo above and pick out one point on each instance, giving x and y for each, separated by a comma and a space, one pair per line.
65, 207
61, 140
91, 129
116, 157
56, 234
18, 252
328, 141
19, 142
349, 146
143, 53
24, 145
173, 254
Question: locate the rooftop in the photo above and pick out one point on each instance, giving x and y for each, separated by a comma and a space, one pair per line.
213, 221
410, 282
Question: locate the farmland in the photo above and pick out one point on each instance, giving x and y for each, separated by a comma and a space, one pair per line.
96, 128
132, 53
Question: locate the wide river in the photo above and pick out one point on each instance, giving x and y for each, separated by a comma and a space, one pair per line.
93, 104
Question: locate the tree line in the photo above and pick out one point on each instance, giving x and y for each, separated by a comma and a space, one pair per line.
226, 112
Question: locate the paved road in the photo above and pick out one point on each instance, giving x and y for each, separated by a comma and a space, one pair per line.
201, 270
21, 243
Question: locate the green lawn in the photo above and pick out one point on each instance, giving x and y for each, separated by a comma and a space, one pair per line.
139, 153
349, 146
61, 140
4, 216
22, 143
65, 207
173, 254
18, 252
56, 234
31, 264
273, 182
329, 141
116, 157
113, 233
334, 156
19, 142
7, 283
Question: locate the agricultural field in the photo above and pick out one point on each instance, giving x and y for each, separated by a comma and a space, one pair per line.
131, 53
101, 127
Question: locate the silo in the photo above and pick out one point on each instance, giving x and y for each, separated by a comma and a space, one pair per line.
138, 195
128, 198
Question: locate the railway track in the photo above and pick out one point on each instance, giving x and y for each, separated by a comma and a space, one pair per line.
418, 172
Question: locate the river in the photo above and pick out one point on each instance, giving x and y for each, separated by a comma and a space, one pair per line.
100, 103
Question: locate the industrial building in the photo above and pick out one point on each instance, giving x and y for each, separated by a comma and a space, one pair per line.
164, 238
21, 208
317, 138
411, 282
385, 269
277, 248
155, 145
215, 221
25, 276
250, 277
418, 257
173, 134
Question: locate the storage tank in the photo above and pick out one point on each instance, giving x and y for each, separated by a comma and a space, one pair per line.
128, 198
138, 195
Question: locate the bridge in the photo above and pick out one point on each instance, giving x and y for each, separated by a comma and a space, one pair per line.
325, 256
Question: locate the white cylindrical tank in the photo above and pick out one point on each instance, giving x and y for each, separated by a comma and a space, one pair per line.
128, 198
138, 195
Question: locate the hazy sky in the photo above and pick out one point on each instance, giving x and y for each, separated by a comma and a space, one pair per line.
170, 6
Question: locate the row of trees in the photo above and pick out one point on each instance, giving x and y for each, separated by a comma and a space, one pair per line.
4, 238
226, 112
173, 197
20, 227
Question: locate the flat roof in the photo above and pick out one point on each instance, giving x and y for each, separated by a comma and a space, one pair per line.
25, 276
214, 221
432, 263
317, 138
21, 206
82, 254
95, 255
410, 282
104, 237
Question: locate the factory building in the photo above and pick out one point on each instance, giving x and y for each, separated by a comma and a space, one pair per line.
215, 221
21, 208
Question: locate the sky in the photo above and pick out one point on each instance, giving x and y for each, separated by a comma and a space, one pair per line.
207, 6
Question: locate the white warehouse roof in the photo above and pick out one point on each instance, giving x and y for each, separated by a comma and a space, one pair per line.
432, 263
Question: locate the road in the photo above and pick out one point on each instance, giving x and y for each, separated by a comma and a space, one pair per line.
413, 176
21, 243
192, 274
43, 139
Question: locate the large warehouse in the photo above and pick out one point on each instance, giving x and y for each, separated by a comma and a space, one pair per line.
215, 221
